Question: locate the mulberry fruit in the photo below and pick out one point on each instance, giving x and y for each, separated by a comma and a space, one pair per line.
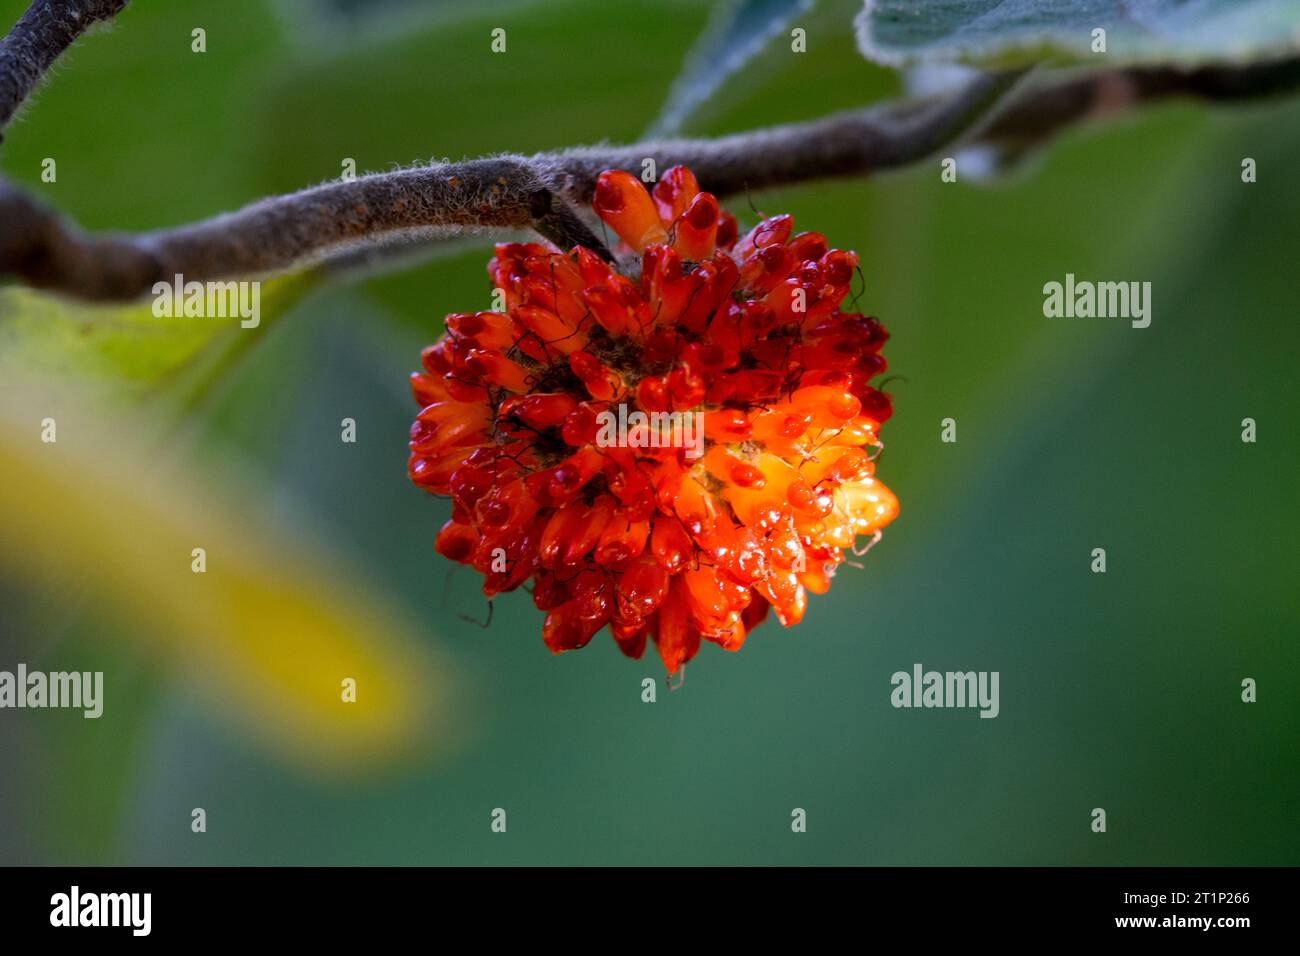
669, 451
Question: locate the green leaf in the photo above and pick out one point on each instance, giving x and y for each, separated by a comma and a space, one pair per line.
1006, 33
125, 351
737, 32
270, 628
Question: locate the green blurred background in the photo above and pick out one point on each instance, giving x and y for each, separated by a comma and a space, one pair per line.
1118, 690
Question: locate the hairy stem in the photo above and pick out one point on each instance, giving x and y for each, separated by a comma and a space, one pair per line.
38, 39
845, 144
284, 231
501, 193
1035, 117
542, 192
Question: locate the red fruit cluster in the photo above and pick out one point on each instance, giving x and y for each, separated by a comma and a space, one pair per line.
651, 541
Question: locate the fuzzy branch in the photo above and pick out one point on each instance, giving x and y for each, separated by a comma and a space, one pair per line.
501, 193
277, 233
1033, 119
38, 39
542, 192
845, 144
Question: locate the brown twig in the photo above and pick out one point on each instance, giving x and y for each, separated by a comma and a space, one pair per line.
38, 39
853, 143
510, 192
278, 233
517, 192
1035, 117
